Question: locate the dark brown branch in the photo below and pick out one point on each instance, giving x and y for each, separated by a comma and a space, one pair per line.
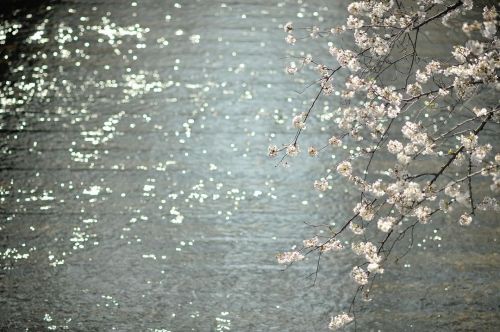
438, 15
470, 185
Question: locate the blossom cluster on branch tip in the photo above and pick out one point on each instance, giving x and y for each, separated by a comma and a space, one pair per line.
340, 320
413, 129
321, 185
299, 121
289, 257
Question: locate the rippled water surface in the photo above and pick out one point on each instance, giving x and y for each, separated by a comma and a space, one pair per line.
135, 191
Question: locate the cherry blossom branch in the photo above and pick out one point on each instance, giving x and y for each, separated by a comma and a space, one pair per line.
471, 199
439, 15
449, 132
455, 154
401, 106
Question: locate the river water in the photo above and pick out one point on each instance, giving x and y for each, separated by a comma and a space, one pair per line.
136, 194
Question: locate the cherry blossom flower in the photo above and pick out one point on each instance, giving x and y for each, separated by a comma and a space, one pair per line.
334, 245
311, 242
365, 211
334, 141
289, 257
292, 150
290, 39
312, 151
394, 146
291, 68
465, 219
272, 151
359, 275
423, 214
374, 268
469, 142
356, 229
321, 185
385, 224
298, 121
340, 321
344, 168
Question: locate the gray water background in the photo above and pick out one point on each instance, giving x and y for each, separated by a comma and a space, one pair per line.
136, 194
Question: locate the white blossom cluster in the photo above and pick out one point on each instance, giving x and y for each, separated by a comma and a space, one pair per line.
289, 257
330, 245
340, 320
